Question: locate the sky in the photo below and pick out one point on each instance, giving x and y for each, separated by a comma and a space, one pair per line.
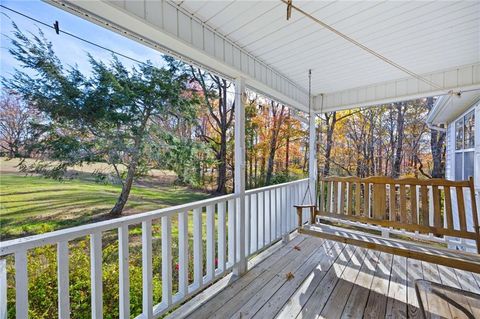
71, 51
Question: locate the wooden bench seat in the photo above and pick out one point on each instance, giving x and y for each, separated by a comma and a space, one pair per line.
438, 208
409, 249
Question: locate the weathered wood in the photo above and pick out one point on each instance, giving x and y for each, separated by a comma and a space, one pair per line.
461, 209
425, 208
459, 260
357, 300
344, 286
350, 199
379, 201
377, 299
358, 200
435, 306
403, 204
322, 292
335, 198
437, 217
448, 207
298, 300
414, 272
392, 203
413, 204
397, 290
342, 198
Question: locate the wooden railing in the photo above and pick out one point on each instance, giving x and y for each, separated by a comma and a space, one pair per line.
269, 216
436, 206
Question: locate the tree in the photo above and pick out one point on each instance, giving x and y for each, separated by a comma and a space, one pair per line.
278, 117
16, 127
437, 145
106, 116
218, 121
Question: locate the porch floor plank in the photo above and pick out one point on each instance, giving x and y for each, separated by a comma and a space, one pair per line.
331, 280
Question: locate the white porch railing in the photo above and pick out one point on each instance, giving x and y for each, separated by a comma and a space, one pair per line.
269, 216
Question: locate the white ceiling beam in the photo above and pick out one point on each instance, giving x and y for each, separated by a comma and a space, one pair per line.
458, 79
168, 28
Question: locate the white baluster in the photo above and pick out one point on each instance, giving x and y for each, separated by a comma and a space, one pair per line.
183, 253
247, 225
96, 274
197, 248
210, 243
147, 299
221, 237
3, 288
166, 260
21, 285
232, 227
124, 276
63, 280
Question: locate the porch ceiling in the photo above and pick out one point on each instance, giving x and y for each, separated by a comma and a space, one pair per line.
440, 40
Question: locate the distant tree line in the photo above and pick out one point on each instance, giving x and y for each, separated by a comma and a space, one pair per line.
389, 140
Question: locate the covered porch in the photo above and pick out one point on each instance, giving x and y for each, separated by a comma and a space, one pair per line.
240, 255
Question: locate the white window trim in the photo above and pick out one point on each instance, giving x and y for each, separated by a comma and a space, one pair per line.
463, 150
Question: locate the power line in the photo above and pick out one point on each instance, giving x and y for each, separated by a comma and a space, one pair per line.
72, 35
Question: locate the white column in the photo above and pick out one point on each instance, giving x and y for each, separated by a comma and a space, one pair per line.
312, 158
241, 266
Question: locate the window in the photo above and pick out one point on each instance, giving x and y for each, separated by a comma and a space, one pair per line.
464, 146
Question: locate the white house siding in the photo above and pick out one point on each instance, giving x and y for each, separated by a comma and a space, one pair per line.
450, 174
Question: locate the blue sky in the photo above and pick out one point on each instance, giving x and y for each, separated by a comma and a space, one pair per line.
70, 50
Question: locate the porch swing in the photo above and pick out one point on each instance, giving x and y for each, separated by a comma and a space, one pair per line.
312, 204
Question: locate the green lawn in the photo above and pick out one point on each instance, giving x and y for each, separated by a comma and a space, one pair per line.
32, 204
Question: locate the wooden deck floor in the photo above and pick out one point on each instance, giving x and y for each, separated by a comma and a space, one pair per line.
333, 280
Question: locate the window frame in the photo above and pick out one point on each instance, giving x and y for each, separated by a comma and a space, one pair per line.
463, 150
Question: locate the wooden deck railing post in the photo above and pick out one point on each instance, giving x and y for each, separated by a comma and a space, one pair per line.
241, 265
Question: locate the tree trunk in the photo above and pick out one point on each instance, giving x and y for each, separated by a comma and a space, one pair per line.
126, 188
401, 107
329, 141
222, 165
277, 123
437, 145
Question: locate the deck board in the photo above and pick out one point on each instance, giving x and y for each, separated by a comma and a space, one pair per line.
332, 280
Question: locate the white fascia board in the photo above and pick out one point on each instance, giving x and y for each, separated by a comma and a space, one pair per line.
166, 27
447, 108
462, 78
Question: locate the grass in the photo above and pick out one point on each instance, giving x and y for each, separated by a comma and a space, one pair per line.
33, 204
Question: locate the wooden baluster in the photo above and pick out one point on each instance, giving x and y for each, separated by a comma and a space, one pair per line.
474, 212
437, 215
247, 225
392, 203
342, 197
366, 201
329, 198
461, 208
123, 273
403, 204
335, 198
358, 194
321, 190
425, 208
448, 207
413, 203
350, 198
379, 201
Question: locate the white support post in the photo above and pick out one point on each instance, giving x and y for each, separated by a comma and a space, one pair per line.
241, 267
312, 158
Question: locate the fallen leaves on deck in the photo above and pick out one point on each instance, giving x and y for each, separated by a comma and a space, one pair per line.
289, 276
297, 248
